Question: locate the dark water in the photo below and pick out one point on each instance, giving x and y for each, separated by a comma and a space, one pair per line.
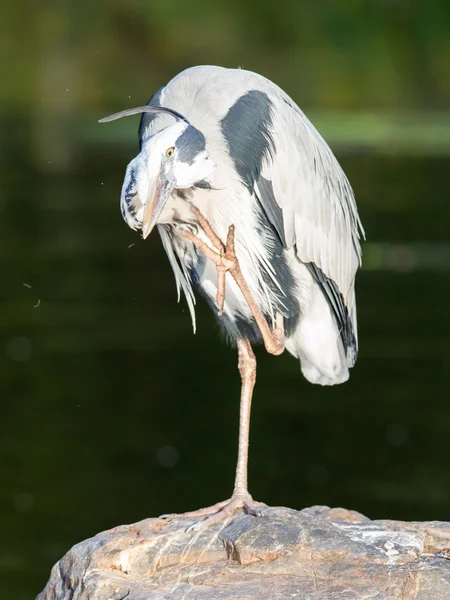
112, 411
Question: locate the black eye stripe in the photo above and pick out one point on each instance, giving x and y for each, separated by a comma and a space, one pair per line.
189, 144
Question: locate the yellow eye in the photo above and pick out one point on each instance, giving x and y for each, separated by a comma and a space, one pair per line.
170, 152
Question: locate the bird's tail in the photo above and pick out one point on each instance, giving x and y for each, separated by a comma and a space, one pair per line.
318, 344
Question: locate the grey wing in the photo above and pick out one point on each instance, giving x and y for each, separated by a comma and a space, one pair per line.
307, 197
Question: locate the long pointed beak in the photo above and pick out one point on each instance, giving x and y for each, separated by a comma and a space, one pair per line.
155, 205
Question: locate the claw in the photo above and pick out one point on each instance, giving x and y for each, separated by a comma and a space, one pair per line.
252, 509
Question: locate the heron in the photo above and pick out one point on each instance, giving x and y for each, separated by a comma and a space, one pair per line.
255, 212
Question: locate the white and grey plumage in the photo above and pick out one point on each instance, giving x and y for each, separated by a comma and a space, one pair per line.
244, 154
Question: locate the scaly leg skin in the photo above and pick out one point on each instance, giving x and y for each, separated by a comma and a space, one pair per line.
225, 260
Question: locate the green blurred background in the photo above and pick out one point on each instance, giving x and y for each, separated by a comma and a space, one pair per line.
111, 410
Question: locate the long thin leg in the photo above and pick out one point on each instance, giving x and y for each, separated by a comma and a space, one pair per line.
240, 498
225, 260
247, 369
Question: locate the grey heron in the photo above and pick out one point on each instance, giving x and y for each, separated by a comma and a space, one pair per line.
254, 210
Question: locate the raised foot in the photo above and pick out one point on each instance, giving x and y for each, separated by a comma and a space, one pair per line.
220, 511
224, 257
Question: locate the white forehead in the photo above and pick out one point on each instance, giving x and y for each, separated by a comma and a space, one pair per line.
166, 138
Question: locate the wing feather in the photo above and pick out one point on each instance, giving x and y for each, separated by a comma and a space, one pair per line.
316, 206
319, 211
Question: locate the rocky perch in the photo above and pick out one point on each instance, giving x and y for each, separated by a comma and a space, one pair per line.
314, 554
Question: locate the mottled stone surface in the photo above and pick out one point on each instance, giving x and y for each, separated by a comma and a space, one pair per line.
314, 554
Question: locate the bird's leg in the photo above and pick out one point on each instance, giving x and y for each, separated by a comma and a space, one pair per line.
225, 259
240, 498
247, 370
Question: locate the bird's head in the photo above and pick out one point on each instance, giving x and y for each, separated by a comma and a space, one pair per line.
175, 158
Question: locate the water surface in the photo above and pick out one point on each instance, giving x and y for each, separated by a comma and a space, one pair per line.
113, 411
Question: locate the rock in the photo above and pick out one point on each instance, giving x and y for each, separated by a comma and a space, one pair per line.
314, 554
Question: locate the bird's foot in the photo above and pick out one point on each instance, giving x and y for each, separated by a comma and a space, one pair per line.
228, 263
220, 511
224, 257
201, 512
227, 509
